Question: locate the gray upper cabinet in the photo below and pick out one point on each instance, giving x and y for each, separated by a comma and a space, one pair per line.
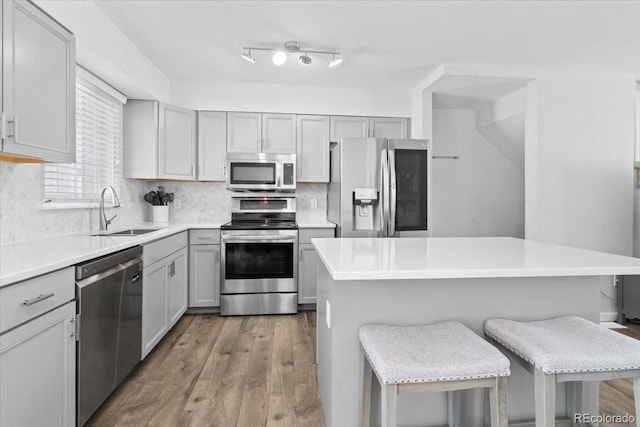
261, 133
177, 142
159, 141
313, 148
349, 127
383, 127
38, 79
212, 145
244, 132
278, 133
363, 127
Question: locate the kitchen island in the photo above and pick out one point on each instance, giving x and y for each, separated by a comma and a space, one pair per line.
414, 281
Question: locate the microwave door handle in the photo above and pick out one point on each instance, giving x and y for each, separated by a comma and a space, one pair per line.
394, 194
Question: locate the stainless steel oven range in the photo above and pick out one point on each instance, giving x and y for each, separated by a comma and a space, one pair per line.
260, 257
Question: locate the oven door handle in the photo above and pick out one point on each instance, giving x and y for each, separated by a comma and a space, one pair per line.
257, 238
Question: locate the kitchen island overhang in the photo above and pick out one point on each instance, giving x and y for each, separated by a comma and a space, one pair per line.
421, 281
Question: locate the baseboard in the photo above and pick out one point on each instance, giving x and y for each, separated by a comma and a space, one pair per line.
609, 316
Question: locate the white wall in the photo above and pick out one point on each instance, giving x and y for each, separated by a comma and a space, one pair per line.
290, 99
579, 161
479, 194
579, 156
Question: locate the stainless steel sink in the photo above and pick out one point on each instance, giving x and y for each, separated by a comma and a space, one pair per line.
129, 232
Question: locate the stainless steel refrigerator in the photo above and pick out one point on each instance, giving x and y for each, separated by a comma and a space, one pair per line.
380, 187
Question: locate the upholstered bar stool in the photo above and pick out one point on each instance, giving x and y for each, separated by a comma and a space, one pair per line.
567, 349
440, 357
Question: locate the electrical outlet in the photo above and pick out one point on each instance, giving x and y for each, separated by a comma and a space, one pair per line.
177, 204
314, 203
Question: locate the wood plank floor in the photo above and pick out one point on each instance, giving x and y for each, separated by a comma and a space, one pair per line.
247, 372
224, 371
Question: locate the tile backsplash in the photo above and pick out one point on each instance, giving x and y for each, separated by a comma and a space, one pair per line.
211, 201
22, 217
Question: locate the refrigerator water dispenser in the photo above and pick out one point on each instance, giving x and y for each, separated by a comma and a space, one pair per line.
364, 200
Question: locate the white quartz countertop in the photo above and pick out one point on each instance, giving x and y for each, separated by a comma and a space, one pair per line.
310, 220
475, 257
23, 260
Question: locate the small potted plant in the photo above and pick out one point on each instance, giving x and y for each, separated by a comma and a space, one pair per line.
159, 201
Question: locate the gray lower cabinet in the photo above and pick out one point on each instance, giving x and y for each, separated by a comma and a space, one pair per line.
308, 262
204, 268
307, 274
38, 352
164, 288
177, 286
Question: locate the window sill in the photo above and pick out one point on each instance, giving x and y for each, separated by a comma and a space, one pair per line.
73, 205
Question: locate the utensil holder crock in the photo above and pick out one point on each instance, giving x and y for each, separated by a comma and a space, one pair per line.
160, 214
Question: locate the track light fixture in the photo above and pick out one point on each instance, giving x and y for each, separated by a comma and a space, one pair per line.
305, 59
250, 58
334, 61
280, 55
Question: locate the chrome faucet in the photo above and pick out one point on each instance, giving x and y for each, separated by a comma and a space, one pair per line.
104, 222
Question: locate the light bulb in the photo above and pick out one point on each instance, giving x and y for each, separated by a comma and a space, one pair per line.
279, 57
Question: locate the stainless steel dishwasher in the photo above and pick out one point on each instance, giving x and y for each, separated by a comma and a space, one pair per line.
109, 295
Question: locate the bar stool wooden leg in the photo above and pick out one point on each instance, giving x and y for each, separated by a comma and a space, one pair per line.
545, 391
389, 403
636, 398
367, 373
453, 408
574, 400
498, 403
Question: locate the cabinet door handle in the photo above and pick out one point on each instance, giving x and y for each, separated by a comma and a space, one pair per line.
37, 299
135, 278
301, 254
218, 258
14, 126
193, 170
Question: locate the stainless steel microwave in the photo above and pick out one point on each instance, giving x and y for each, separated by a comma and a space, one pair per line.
261, 172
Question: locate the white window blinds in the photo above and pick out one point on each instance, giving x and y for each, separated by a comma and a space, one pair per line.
99, 112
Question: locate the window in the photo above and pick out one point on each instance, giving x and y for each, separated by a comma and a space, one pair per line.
99, 111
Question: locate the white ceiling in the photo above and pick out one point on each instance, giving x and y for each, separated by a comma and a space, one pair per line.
391, 44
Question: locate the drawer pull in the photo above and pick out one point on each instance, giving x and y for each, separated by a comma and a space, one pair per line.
37, 299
